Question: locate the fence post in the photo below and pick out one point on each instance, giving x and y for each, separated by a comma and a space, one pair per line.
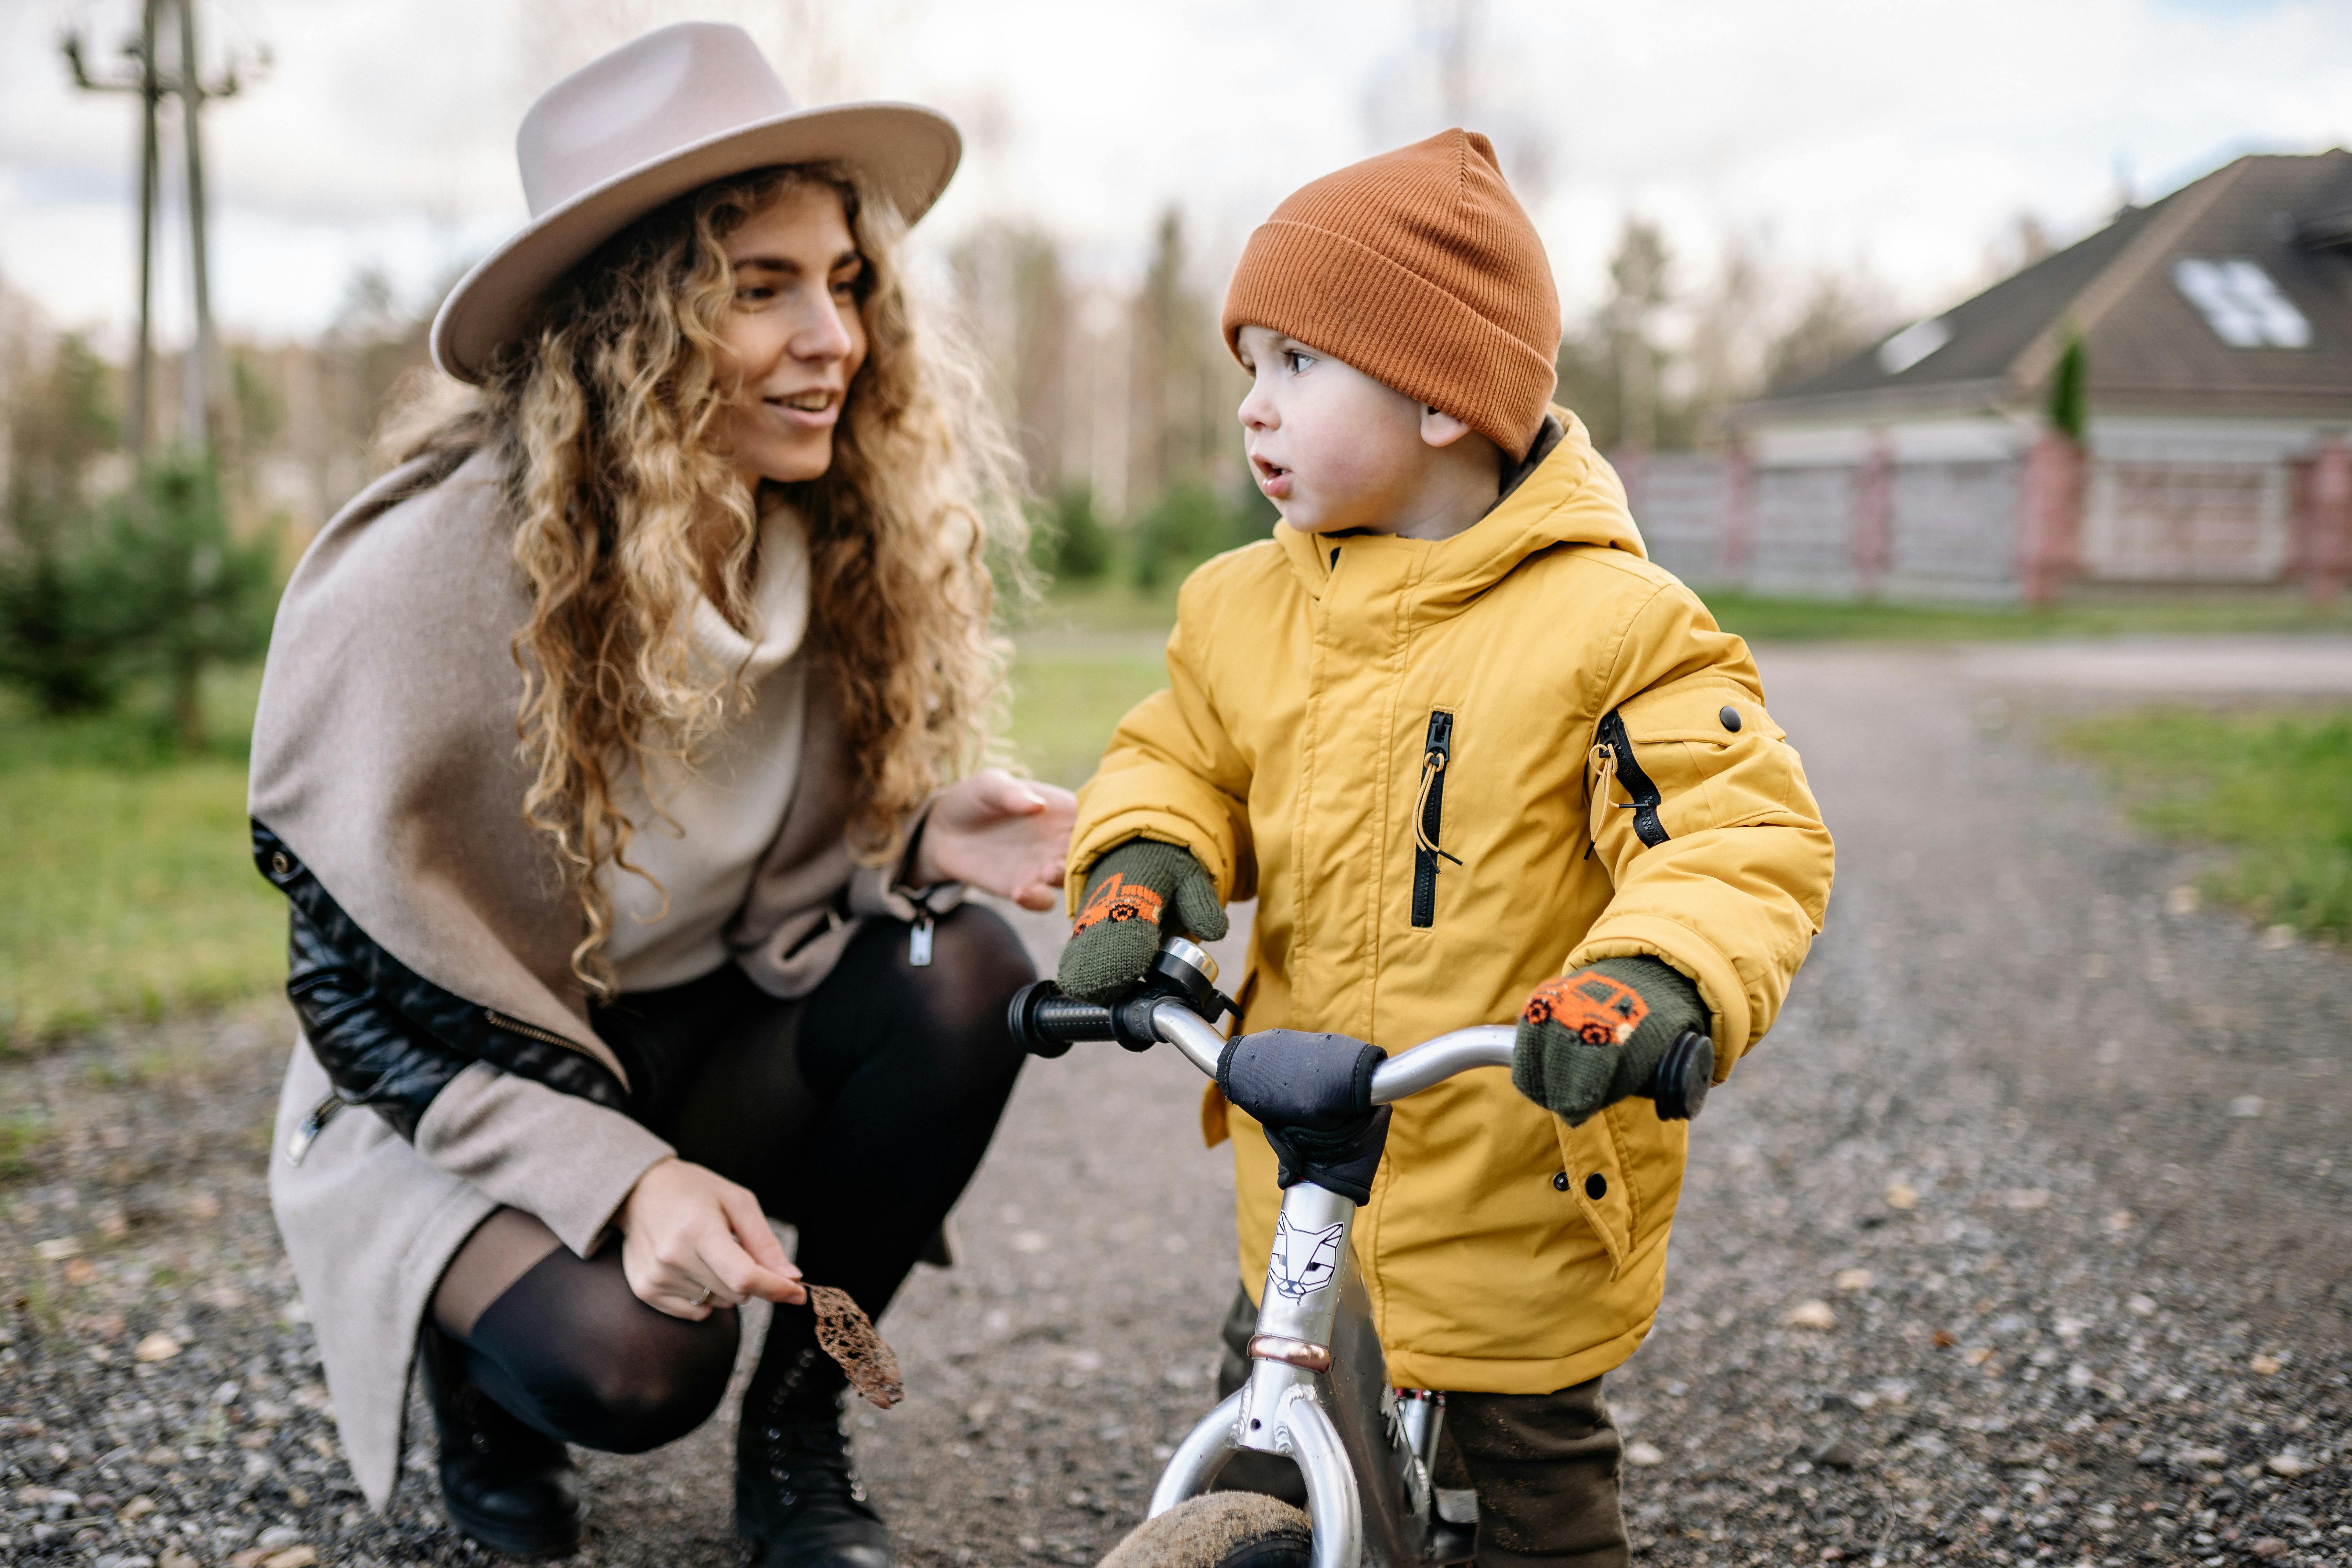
1738, 529
2331, 521
2050, 542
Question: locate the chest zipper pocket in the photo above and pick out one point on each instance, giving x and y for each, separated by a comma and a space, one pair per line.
1428, 817
305, 1135
1612, 759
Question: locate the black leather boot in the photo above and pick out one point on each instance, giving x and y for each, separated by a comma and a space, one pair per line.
507, 1485
797, 1499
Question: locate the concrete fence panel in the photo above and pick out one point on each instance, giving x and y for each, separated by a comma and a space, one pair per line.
1804, 531
1955, 529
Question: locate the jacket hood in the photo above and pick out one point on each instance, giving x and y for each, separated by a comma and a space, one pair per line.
1573, 497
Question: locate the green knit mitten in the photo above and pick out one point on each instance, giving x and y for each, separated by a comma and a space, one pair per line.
1134, 892
1589, 1039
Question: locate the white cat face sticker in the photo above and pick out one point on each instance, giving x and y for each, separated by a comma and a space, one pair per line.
1303, 1261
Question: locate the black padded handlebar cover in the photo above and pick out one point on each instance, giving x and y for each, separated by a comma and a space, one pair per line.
1313, 1095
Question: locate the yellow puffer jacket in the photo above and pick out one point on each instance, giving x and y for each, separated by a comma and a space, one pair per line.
1310, 681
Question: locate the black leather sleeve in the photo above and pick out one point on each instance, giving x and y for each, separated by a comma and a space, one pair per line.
373, 1056
388, 1037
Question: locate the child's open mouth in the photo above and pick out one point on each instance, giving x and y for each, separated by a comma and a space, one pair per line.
1271, 477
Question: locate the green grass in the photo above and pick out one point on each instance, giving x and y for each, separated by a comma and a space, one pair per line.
1070, 689
1762, 619
2275, 787
21, 1141
128, 890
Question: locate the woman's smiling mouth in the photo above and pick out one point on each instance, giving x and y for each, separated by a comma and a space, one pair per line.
816, 409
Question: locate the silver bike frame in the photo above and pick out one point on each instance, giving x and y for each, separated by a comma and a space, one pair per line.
1318, 1391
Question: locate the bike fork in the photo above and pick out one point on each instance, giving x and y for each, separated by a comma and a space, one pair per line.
1318, 1394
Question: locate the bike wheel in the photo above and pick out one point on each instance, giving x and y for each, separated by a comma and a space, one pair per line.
1219, 1530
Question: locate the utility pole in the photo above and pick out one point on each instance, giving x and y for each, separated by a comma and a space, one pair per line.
169, 25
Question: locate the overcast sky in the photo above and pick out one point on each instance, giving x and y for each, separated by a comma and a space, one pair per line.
1901, 137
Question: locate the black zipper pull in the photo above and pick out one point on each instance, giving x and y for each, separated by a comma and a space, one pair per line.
1645, 798
1428, 817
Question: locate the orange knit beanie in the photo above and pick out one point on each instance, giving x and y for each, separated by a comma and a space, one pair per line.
1420, 268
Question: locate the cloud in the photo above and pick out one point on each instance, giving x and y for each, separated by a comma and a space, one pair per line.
1842, 131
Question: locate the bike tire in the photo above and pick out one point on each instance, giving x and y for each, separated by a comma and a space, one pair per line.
1219, 1530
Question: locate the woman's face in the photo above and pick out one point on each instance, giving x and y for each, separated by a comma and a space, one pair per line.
794, 339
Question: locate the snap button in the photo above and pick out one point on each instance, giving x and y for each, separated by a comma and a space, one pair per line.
1596, 1187
1560, 1183
279, 864
1730, 716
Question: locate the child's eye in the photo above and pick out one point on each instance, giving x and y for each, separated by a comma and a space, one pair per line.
1296, 361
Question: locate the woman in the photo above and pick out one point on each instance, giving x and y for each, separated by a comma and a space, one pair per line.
601, 756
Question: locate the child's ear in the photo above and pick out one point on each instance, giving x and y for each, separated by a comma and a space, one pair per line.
1438, 428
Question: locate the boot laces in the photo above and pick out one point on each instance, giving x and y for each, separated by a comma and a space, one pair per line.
807, 1453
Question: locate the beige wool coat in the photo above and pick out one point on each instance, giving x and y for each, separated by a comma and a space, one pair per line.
385, 758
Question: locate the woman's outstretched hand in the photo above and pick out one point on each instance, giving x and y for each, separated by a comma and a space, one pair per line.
1001, 834
693, 1240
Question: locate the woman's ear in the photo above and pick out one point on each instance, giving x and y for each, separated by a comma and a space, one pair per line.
1438, 428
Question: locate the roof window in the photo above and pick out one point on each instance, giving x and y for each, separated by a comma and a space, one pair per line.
2242, 304
1912, 344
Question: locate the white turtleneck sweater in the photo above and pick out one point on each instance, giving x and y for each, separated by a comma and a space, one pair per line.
724, 808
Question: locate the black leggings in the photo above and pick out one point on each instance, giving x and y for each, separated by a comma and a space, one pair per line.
857, 1114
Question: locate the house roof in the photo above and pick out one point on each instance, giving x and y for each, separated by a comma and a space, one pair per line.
2146, 346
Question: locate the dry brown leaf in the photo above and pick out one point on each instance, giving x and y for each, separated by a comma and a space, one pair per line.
847, 1335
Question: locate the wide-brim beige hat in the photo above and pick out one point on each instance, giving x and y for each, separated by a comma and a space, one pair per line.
645, 124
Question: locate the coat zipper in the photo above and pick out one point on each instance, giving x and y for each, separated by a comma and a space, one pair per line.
305, 1135
530, 1031
1615, 748
1428, 815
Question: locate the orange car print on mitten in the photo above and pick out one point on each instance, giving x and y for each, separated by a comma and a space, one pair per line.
1120, 900
1589, 1004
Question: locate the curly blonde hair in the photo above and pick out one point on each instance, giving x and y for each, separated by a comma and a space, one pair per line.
608, 414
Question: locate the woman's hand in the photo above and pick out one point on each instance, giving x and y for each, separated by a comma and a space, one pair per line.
693, 1240
1001, 834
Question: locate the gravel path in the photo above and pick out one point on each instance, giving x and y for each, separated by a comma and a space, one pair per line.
2025, 1239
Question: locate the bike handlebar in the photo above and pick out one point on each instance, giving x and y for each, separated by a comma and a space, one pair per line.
1047, 1023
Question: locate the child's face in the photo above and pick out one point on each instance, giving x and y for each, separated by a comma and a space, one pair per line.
1336, 450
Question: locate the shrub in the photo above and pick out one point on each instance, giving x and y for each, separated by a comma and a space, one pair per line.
1188, 524
1068, 543
58, 636
181, 593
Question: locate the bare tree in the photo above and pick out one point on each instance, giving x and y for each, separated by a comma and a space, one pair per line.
1842, 313
1637, 277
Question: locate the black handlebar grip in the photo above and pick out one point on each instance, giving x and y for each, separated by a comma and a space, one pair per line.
1044, 1022
1678, 1088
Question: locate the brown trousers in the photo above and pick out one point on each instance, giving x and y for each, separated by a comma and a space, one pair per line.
1545, 1467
